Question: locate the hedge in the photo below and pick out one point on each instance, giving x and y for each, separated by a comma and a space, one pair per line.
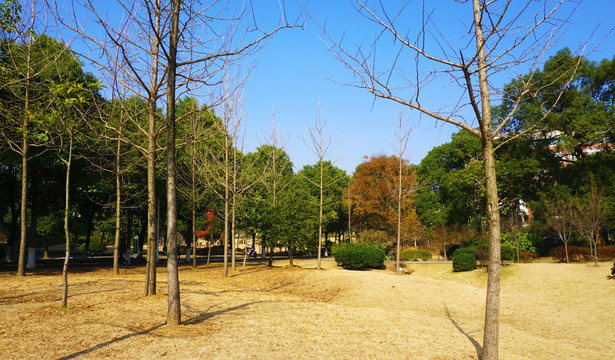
358, 256
414, 255
464, 259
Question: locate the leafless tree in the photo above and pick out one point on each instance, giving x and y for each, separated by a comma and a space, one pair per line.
320, 142
561, 212
498, 37
402, 137
589, 218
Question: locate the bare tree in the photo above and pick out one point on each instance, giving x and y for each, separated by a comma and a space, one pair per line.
402, 136
320, 144
561, 213
589, 218
500, 36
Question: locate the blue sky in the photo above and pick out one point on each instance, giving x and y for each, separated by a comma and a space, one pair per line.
293, 73
289, 80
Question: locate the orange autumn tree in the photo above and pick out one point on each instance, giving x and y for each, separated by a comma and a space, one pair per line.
374, 192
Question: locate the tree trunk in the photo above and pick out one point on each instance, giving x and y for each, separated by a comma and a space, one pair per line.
66, 232
174, 309
320, 209
492, 307
21, 264
150, 280
566, 250
193, 200
118, 208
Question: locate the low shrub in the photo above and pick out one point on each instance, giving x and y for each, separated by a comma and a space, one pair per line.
415, 255
358, 256
575, 253
464, 259
606, 253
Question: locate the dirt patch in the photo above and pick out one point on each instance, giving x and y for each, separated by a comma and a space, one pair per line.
303, 313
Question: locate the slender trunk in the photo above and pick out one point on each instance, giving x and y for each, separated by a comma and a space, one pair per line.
399, 181
211, 237
174, 309
596, 252
193, 200
226, 201
118, 207
21, 265
233, 241
492, 307
349, 213
591, 249
290, 256
66, 232
150, 280
320, 206
566, 250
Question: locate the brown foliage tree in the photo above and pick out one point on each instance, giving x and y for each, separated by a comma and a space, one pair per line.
374, 191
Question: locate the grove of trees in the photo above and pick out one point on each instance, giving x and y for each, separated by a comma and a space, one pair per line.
95, 146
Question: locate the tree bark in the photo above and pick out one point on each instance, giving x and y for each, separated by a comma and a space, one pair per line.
118, 207
66, 232
492, 308
150, 281
174, 308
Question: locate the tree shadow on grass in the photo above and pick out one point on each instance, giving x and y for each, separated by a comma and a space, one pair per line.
479, 349
116, 340
198, 319
192, 321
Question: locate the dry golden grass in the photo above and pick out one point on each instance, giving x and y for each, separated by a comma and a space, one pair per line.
549, 311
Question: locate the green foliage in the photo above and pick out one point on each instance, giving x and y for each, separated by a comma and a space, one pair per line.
10, 15
527, 241
452, 185
358, 256
464, 259
95, 249
414, 255
508, 251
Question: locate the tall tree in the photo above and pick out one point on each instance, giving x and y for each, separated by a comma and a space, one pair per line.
320, 142
504, 35
402, 138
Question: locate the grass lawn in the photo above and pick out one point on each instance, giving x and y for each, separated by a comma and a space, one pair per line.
548, 311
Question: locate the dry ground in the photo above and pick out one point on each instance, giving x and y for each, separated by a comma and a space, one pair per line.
549, 311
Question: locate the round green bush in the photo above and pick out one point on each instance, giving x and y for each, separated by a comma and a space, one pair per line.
464, 259
414, 255
358, 256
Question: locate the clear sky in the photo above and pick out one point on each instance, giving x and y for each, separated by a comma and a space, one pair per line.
293, 73
289, 81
